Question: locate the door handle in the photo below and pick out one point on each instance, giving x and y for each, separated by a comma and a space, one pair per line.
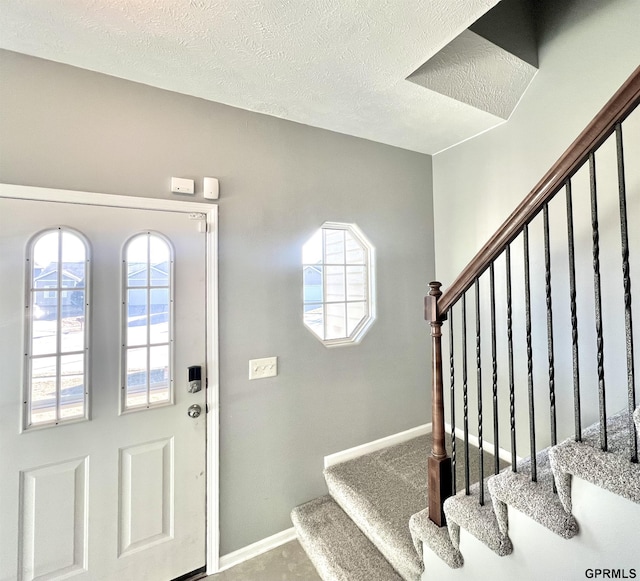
194, 411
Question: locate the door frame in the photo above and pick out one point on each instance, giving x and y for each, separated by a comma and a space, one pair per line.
210, 211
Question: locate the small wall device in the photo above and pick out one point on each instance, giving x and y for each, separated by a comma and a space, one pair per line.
211, 188
182, 186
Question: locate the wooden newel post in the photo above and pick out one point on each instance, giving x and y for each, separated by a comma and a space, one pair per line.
439, 487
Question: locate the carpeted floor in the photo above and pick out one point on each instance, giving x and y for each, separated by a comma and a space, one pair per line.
286, 563
379, 492
611, 470
383, 490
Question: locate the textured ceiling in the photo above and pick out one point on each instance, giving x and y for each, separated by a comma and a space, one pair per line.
478, 72
337, 64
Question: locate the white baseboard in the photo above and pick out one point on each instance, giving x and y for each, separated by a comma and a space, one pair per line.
376, 445
488, 446
257, 548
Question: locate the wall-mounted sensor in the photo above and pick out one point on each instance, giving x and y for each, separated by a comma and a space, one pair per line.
182, 186
211, 188
195, 378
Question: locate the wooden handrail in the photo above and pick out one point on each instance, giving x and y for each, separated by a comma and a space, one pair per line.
603, 124
437, 304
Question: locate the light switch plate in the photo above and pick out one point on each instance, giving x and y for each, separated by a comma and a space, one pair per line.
261, 368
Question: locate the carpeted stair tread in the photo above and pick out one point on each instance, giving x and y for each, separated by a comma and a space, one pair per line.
535, 499
464, 511
611, 470
335, 545
380, 492
426, 532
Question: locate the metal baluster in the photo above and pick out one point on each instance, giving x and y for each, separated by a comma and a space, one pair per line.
465, 395
598, 301
453, 403
479, 387
574, 315
626, 276
552, 369
532, 419
494, 371
512, 391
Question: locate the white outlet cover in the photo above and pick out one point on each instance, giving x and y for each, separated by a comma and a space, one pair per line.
261, 368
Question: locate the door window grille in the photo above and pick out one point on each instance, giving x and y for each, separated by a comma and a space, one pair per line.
147, 342
338, 301
57, 315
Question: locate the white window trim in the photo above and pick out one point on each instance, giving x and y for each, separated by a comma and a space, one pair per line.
365, 324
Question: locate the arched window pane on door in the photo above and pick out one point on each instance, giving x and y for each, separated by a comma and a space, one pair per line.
147, 344
57, 347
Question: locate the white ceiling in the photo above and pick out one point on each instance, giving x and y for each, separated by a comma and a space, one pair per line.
337, 64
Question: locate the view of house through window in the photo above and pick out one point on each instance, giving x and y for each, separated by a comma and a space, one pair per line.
57, 347
147, 341
337, 284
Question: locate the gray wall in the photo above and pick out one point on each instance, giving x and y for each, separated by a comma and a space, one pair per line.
68, 128
586, 51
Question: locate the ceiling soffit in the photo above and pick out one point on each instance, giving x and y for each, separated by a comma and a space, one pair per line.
334, 64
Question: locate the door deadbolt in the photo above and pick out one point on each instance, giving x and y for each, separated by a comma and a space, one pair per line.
194, 411
195, 379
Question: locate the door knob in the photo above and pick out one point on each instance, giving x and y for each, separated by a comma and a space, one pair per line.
194, 411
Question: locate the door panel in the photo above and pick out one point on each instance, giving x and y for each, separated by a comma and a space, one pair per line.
120, 495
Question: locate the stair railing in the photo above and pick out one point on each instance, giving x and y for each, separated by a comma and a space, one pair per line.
439, 308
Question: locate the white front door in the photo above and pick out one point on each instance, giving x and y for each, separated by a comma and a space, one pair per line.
102, 470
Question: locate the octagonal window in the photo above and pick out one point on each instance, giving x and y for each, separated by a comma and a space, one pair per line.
338, 284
